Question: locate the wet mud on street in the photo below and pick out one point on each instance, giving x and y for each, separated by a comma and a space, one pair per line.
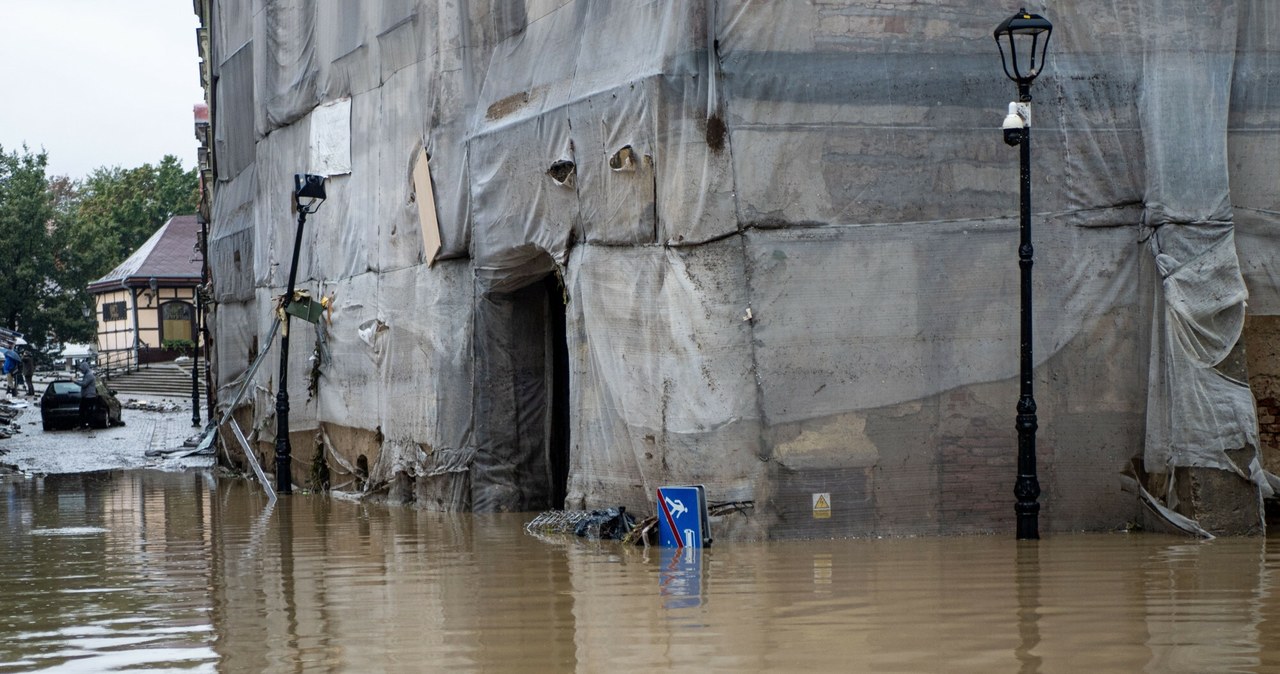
182, 570
155, 435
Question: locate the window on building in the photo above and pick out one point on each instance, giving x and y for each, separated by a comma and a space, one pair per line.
176, 320
113, 311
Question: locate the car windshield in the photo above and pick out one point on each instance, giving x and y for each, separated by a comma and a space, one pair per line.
64, 387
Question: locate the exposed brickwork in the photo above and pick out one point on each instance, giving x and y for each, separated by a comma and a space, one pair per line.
1262, 344
1269, 423
978, 460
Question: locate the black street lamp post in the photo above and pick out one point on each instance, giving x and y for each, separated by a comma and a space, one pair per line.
198, 322
1028, 38
311, 188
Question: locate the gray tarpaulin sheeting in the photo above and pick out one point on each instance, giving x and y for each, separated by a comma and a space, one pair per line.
787, 235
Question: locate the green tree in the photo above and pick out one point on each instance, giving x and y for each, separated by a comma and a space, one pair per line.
104, 218
58, 235
118, 209
26, 249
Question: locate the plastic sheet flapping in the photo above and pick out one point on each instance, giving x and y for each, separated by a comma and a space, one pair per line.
786, 232
1195, 412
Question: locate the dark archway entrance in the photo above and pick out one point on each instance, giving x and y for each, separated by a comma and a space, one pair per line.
558, 386
522, 399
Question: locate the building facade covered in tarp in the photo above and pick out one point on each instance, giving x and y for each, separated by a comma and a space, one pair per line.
579, 249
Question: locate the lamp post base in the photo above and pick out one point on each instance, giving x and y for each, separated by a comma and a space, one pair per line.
1028, 514
284, 461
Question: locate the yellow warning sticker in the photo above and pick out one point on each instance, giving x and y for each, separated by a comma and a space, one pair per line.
822, 506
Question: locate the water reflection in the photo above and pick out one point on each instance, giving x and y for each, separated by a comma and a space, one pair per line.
1027, 577
100, 575
680, 580
126, 571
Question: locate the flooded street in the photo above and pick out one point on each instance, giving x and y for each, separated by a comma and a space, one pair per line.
180, 571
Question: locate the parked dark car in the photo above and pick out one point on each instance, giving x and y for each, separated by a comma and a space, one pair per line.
60, 406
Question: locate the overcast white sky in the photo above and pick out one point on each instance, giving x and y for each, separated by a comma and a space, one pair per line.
99, 82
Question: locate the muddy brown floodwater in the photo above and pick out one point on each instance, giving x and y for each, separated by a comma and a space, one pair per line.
160, 571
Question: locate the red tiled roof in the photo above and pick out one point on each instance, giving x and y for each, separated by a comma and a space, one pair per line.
168, 256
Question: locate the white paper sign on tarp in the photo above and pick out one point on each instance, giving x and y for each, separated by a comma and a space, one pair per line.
331, 138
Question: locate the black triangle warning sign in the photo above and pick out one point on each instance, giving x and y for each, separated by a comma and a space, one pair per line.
821, 503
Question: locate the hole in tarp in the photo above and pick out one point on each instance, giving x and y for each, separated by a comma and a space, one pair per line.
562, 172
716, 133
623, 159
362, 470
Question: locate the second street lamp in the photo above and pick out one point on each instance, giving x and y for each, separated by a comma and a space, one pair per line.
308, 194
1027, 36
198, 323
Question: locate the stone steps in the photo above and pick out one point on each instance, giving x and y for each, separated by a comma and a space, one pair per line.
156, 380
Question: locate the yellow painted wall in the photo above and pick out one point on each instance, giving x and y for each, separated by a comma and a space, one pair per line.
116, 338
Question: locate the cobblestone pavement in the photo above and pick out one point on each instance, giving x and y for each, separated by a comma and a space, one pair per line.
34, 450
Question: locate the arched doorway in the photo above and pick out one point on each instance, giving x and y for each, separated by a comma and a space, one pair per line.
177, 323
522, 399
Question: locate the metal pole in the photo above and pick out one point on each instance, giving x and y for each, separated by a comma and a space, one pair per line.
284, 481
195, 359
1027, 487
205, 342
195, 367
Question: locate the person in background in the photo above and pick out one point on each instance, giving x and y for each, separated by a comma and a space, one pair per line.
88, 392
29, 370
12, 367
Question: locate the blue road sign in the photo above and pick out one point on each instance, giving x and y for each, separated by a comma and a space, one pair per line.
682, 517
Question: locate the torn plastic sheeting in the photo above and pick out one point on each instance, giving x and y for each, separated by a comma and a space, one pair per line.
1257, 236
332, 455
1177, 520
428, 430
1195, 412
370, 330
431, 338
628, 91
1206, 297
516, 268
520, 210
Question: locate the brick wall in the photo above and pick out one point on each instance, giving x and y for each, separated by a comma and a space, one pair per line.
1262, 347
1269, 423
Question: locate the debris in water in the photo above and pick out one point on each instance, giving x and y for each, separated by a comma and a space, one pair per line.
606, 524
